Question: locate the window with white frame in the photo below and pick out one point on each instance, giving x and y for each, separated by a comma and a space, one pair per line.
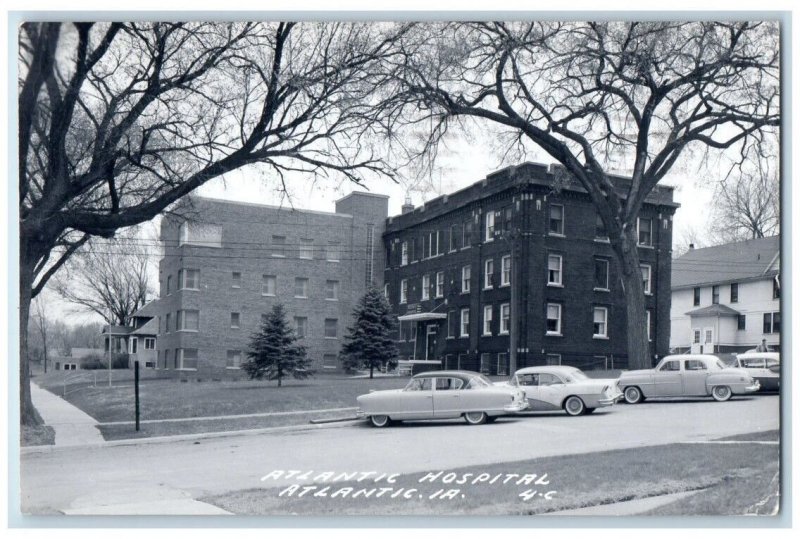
306, 249
600, 274
556, 219
404, 253
489, 222
234, 359
645, 231
465, 279
554, 264
488, 274
600, 323
300, 287
188, 320
553, 319
269, 284
333, 252
600, 232
279, 246
426, 287
189, 279
236, 319
404, 291
134, 345
464, 327
332, 290
440, 284
455, 237
149, 343
487, 320
646, 272
301, 326
505, 270
331, 328
187, 358
505, 318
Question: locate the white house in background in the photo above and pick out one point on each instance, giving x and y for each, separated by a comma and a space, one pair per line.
726, 299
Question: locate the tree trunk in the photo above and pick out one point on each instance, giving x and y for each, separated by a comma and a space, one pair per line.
633, 289
28, 414
371, 367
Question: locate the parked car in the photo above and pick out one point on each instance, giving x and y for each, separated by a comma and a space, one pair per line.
765, 367
564, 388
442, 395
692, 375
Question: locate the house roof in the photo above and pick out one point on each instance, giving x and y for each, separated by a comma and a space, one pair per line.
147, 311
150, 328
714, 310
745, 260
116, 330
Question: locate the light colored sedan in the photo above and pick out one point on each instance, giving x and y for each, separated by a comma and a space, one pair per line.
694, 375
558, 387
765, 367
442, 395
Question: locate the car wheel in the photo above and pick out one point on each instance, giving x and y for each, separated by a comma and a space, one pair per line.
633, 395
574, 406
379, 420
475, 418
721, 393
589, 411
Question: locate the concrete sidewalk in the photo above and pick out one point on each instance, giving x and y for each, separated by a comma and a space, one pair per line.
71, 425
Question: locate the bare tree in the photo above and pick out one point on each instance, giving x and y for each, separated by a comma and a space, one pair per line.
118, 121
690, 238
42, 326
597, 97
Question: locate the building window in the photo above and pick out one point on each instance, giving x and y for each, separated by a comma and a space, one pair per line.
649, 326
167, 354
426, 287
188, 358
553, 319
329, 361
502, 364
300, 287
554, 270
487, 320
386, 291
279, 246
306, 249
332, 290
741, 322
234, 360
600, 323
488, 274
404, 291
440, 284
189, 279
464, 323
489, 222
334, 252
451, 324
465, 279
645, 231
696, 297
200, 234
505, 270
235, 320
134, 345
600, 232
269, 284
646, 272
776, 288
695, 336
734, 292
486, 361
149, 343
455, 236
331, 328
404, 254
467, 235
301, 326
553, 359
433, 244
772, 322
505, 318
167, 329
169, 284
236, 279
715, 294
188, 320
600, 274
556, 219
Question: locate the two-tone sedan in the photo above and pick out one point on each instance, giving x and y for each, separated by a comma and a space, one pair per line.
694, 375
557, 387
765, 367
442, 395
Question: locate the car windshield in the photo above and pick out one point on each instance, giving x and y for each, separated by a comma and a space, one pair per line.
478, 381
576, 376
720, 364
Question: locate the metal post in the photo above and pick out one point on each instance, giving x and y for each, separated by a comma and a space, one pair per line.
109, 359
136, 390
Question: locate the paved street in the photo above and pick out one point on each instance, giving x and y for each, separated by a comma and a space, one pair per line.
95, 479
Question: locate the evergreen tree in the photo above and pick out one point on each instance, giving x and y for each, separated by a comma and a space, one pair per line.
274, 352
368, 342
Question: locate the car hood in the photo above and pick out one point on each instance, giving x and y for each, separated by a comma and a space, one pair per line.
638, 372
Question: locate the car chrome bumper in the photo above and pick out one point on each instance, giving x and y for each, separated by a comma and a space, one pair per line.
360, 413
609, 400
517, 406
755, 387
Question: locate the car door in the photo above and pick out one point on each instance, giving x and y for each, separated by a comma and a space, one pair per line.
415, 401
550, 392
694, 375
667, 380
447, 397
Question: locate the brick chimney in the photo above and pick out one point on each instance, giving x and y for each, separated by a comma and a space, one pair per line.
407, 207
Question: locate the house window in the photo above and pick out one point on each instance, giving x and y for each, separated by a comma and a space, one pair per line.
300, 287
306, 249
554, 270
465, 279
188, 320
553, 319
426, 287
489, 226
696, 297
646, 271
600, 274
269, 284
235, 320
149, 343
741, 322
505, 318
404, 291
776, 288
600, 231
467, 235
464, 323
505, 270
234, 360
279, 246
188, 358
334, 252
331, 328
695, 336
301, 326
236, 279
189, 279
772, 322
455, 236
600, 323
329, 361
487, 320
645, 231
488, 274
556, 219
715, 295
332, 290
404, 254
134, 345
440, 284
734, 292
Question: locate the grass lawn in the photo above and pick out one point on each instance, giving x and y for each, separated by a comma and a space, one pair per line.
734, 481
39, 435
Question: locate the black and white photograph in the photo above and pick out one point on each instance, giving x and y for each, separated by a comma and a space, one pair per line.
453, 266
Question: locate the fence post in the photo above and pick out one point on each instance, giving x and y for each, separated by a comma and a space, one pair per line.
136, 390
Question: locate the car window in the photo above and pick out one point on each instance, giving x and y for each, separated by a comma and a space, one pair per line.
577, 375
695, 365
546, 379
671, 366
528, 379
446, 384
772, 362
419, 384
477, 382
752, 363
